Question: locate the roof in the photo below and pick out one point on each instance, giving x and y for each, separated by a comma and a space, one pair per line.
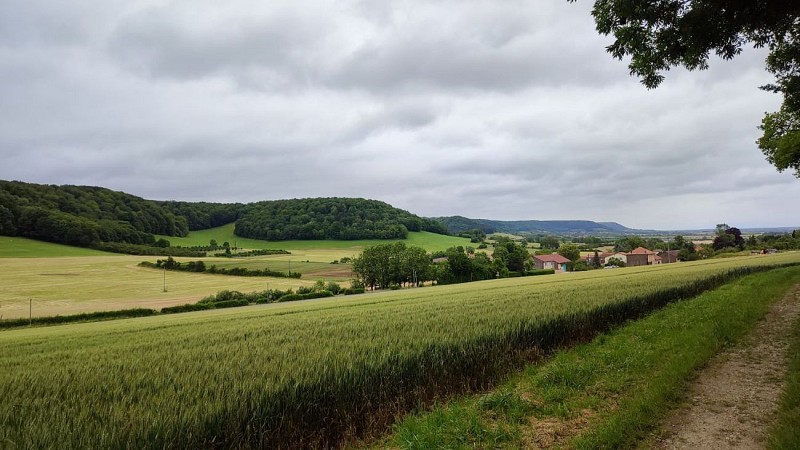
555, 257
642, 251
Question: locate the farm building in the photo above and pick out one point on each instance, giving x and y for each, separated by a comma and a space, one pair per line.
554, 261
668, 256
641, 256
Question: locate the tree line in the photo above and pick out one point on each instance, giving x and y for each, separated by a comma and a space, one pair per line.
330, 218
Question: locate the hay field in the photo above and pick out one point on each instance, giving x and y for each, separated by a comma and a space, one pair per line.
75, 284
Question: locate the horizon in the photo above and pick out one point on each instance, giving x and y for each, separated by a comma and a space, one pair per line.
440, 109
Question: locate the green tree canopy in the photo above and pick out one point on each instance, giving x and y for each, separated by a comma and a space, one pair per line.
660, 34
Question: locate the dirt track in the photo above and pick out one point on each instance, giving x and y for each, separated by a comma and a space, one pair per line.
733, 401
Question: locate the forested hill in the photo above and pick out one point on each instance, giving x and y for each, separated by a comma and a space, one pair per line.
458, 224
86, 216
330, 218
82, 215
203, 215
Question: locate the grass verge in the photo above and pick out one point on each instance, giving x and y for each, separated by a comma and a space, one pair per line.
785, 434
611, 392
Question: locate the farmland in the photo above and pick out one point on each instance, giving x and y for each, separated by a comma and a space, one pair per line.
332, 249
311, 373
63, 280
69, 285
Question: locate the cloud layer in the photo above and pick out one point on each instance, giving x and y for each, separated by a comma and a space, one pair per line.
504, 110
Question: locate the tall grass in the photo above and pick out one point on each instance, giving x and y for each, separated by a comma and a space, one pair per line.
311, 374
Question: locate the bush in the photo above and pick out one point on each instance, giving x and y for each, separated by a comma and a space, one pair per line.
231, 303
187, 308
351, 291
333, 287
533, 273
289, 298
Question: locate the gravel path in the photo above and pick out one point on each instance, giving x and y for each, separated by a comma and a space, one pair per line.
734, 399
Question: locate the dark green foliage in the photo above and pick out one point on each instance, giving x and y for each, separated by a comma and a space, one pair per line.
146, 250
189, 307
330, 218
202, 215
728, 237
306, 296
200, 266
569, 251
383, 265
352, 291
83, 317
80, 215
533, 273
249, 253
231, 304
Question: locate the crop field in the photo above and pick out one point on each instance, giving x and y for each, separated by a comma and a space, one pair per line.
17, 247
69, 285
290, 375
337, 249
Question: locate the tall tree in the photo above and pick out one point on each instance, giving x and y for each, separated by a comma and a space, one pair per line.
660, 34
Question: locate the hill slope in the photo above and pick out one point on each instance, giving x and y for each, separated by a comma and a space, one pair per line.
330, 218
82, 215
458, 224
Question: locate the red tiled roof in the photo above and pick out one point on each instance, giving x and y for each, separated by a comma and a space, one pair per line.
555, 257
641, 251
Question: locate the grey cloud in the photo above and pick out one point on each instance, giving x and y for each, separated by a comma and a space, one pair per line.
507, 110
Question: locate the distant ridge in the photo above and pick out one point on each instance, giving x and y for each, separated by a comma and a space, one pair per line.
459, 224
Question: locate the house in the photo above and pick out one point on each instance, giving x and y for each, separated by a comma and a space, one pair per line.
554, 261
589, 259
641, 256
668, 256
619, 255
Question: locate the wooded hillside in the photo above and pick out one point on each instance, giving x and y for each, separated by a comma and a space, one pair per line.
330, 218
82, 215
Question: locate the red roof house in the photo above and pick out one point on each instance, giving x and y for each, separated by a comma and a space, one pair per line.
554, 261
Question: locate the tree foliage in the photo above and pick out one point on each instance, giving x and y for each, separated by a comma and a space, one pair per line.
82, 215
569, 251
660, 34
384, 265
330, 218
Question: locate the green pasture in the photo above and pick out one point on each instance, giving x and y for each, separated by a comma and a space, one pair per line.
18, 247
307, 374
428, 241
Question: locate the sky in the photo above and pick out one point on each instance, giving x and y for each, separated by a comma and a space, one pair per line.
507, 110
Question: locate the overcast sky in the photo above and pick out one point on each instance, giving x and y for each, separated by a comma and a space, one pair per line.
502, 110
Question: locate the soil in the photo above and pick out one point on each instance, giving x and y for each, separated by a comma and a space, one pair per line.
733, 401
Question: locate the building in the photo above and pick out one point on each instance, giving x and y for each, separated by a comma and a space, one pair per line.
668, 256
554, 261
641, 256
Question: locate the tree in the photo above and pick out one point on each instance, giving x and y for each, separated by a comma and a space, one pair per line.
569, 251
596, 260
660, 34
549, 242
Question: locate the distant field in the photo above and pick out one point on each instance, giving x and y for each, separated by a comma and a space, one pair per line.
273, 375
428, 241
70, 285
17, 247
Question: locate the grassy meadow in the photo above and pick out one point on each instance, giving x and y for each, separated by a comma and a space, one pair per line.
335, 249
76, 284
18, 247
286, 375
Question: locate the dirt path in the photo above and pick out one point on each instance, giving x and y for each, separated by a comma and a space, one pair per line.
733, 401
